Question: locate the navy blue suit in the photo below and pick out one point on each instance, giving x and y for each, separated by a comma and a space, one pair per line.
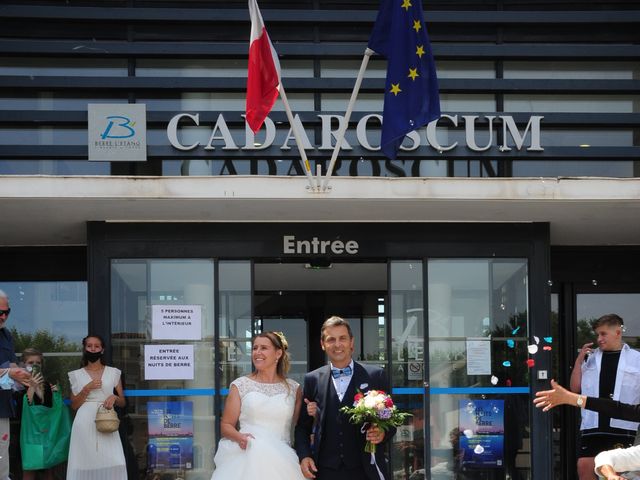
338, 448
7, 357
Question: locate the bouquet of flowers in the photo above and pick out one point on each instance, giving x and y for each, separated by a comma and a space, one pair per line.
374, 408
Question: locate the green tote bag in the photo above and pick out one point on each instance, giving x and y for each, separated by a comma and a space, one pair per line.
44, 434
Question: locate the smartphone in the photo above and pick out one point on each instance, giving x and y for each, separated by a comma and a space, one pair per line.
35, 369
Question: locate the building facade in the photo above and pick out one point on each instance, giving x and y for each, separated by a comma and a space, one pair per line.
469, 267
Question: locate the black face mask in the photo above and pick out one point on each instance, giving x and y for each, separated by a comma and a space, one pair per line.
92, 356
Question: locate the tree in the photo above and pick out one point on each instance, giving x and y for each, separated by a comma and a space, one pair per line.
55, 368
42, 340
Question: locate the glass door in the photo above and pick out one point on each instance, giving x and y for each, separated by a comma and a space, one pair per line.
295, 330
162, 324
407, 364
479, 360
470, 400
296, 298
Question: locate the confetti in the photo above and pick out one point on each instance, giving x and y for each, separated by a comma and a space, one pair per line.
468, 433
479, 449
508, 382
515, 331
547, 348
548, 339
537, 339
494, 380
511, 343
533, 349
506, 363
531, 363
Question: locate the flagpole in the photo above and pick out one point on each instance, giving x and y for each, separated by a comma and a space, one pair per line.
307, 167
347, 116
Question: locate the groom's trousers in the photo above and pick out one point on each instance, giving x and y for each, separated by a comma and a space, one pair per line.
325, 473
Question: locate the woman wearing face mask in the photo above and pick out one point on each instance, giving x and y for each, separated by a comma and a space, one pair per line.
94, 455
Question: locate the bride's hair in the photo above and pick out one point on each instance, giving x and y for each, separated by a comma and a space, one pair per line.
279, 341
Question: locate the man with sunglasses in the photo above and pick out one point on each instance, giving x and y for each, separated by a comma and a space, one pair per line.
9, 372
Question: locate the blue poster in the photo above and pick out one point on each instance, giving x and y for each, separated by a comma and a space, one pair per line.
481, 425
170, 435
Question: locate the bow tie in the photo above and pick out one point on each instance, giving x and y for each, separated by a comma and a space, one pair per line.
341, 372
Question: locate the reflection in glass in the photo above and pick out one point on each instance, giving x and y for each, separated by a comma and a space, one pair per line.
407, 366
45, 135
136, 286
572, 168
560, 437
236, 326
475, 168
54, 167
295, 331
51, 317
595, 138
478, 339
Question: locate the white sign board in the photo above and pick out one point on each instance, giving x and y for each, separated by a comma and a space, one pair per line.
176, 322
168, 362
478, 356
117, 132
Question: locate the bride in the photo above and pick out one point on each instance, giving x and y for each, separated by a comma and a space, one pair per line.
265, 403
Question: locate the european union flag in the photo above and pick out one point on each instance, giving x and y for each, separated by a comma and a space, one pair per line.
411, 98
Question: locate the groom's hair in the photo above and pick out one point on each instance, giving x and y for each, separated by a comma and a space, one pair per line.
335, 321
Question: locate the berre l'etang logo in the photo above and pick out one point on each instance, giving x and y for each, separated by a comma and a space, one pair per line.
118, 126
117, 132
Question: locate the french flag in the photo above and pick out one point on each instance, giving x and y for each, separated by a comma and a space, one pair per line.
263, 79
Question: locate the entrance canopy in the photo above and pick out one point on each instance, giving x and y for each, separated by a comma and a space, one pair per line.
581, 211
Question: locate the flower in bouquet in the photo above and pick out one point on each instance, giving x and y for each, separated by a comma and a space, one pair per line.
374, 408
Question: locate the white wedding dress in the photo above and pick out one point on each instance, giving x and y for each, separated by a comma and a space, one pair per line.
266, 412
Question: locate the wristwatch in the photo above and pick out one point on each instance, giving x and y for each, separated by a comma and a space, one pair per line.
580, 401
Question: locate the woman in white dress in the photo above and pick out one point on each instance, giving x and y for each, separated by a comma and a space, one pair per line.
265, 403
94, 455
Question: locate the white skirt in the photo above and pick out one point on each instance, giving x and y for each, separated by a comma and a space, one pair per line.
266, 458
94, 455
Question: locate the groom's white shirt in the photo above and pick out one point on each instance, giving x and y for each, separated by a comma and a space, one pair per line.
342, 382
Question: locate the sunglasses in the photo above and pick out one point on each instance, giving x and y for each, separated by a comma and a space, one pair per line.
5, 312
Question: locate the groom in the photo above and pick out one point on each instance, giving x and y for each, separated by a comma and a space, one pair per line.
328, 446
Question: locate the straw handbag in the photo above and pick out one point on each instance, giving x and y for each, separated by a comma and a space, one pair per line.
107, 420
